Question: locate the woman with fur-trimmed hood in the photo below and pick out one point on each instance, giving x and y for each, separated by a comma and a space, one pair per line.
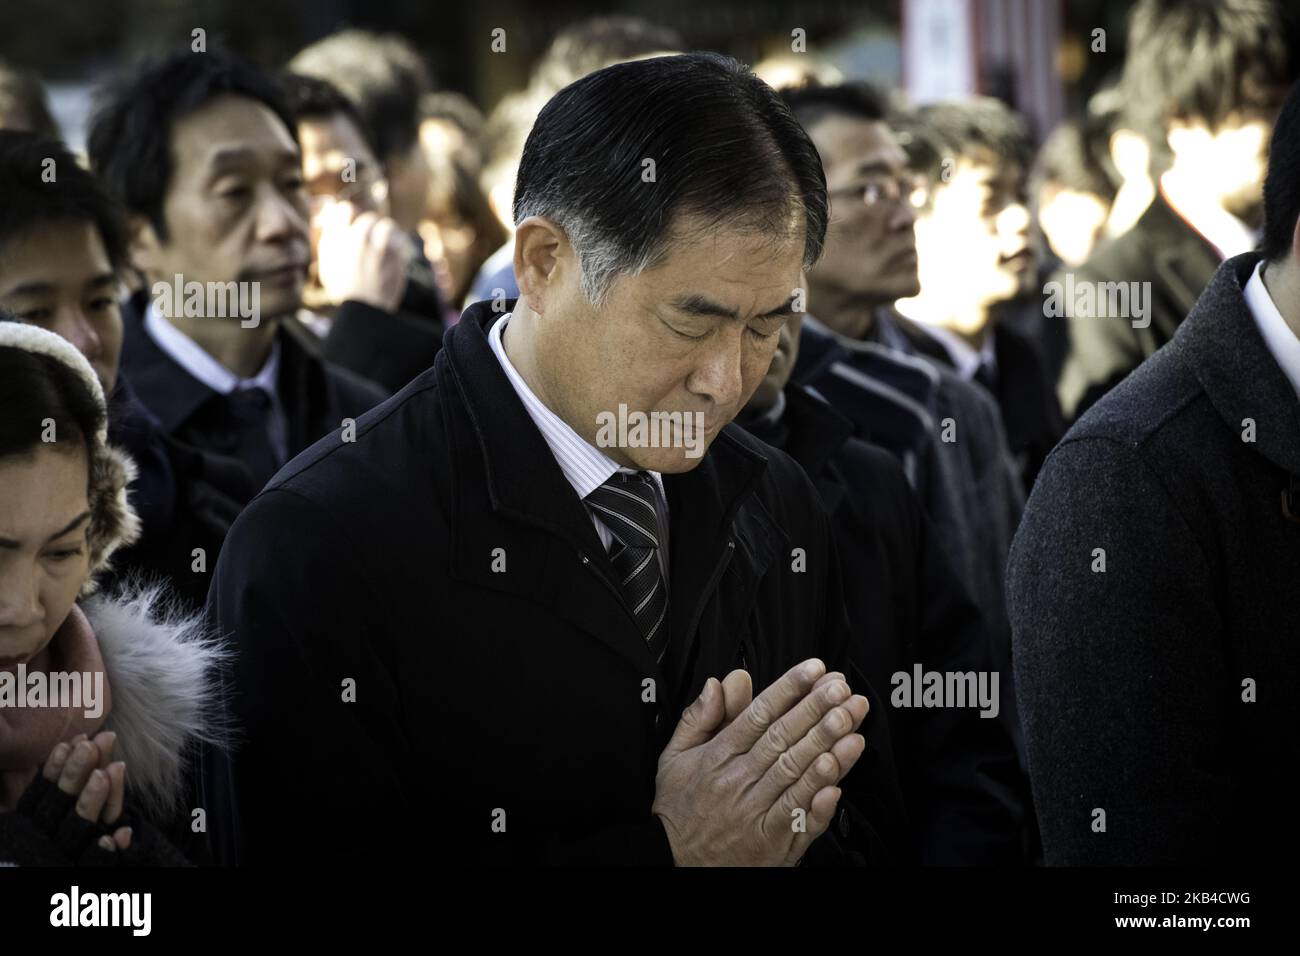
93, 767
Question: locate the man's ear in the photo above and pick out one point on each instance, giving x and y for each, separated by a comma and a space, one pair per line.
143, 244
542, 252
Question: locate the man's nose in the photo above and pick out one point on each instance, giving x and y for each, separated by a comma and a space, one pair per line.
75, 327
1013, 227
719, 375
279, 218
903, 216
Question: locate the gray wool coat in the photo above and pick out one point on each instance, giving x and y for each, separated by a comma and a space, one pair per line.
1160, 697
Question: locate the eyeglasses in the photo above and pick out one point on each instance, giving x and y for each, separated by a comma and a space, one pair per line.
907, 188
368, 192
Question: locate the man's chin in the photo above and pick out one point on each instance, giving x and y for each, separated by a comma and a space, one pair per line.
671, 461
281, 304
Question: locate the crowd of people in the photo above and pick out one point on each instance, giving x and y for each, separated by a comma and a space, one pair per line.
961, 534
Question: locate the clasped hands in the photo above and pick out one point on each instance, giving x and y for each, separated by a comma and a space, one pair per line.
750, 781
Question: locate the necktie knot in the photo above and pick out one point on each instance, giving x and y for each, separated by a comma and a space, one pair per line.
627, 505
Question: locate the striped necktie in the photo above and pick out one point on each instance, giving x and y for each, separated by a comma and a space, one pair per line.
627, 505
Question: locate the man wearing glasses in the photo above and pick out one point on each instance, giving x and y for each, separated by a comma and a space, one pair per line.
359, 295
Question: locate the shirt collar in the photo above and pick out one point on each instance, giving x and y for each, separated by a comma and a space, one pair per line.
585, 466
189, 355
965, 359
1281, 341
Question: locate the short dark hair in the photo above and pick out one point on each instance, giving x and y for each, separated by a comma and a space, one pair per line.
1203, 59
809, 104
311, 98
598, 42
1077, 156
130, 131
35, 387
23, 89
1282, 183
725, 147
980, 123
383, 75
926, 147
73, 195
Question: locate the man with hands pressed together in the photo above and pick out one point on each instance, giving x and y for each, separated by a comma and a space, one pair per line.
537, 643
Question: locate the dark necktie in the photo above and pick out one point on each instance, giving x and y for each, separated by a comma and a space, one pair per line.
626, 504
987, 376
250, 408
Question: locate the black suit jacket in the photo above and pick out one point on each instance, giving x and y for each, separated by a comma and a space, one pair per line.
212, 485
443, 563
966, 795
1160, 249
1161, 689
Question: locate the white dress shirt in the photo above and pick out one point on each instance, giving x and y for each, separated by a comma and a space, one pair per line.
189, 355
1281, 341
584, 465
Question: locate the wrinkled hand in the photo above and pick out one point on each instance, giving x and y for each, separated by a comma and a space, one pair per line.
735, 770
738, 692
363, 258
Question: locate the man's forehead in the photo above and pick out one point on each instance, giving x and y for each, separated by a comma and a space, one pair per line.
52, 254
332, 141
851, 141
228, 130
732, 261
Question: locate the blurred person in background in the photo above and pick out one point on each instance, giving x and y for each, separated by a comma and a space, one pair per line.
575, 51
461, 229
201, 151
974, 252
360, 256
1072, 187
1202, 81
1072, 190
24, 104
957, 769
384, 78
945, 430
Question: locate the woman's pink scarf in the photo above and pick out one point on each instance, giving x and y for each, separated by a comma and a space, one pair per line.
28, 734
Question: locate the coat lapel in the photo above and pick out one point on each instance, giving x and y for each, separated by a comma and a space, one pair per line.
708, 542
510, 493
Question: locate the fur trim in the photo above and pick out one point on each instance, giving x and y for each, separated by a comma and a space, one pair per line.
113, 522
163, 668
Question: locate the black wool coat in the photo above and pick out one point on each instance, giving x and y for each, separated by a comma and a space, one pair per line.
208, 483
967, 799
507, 709
1152, 593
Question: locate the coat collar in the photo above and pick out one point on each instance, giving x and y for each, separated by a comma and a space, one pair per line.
1179, 254
521, 483
1234, 366
173, 395
812, 433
